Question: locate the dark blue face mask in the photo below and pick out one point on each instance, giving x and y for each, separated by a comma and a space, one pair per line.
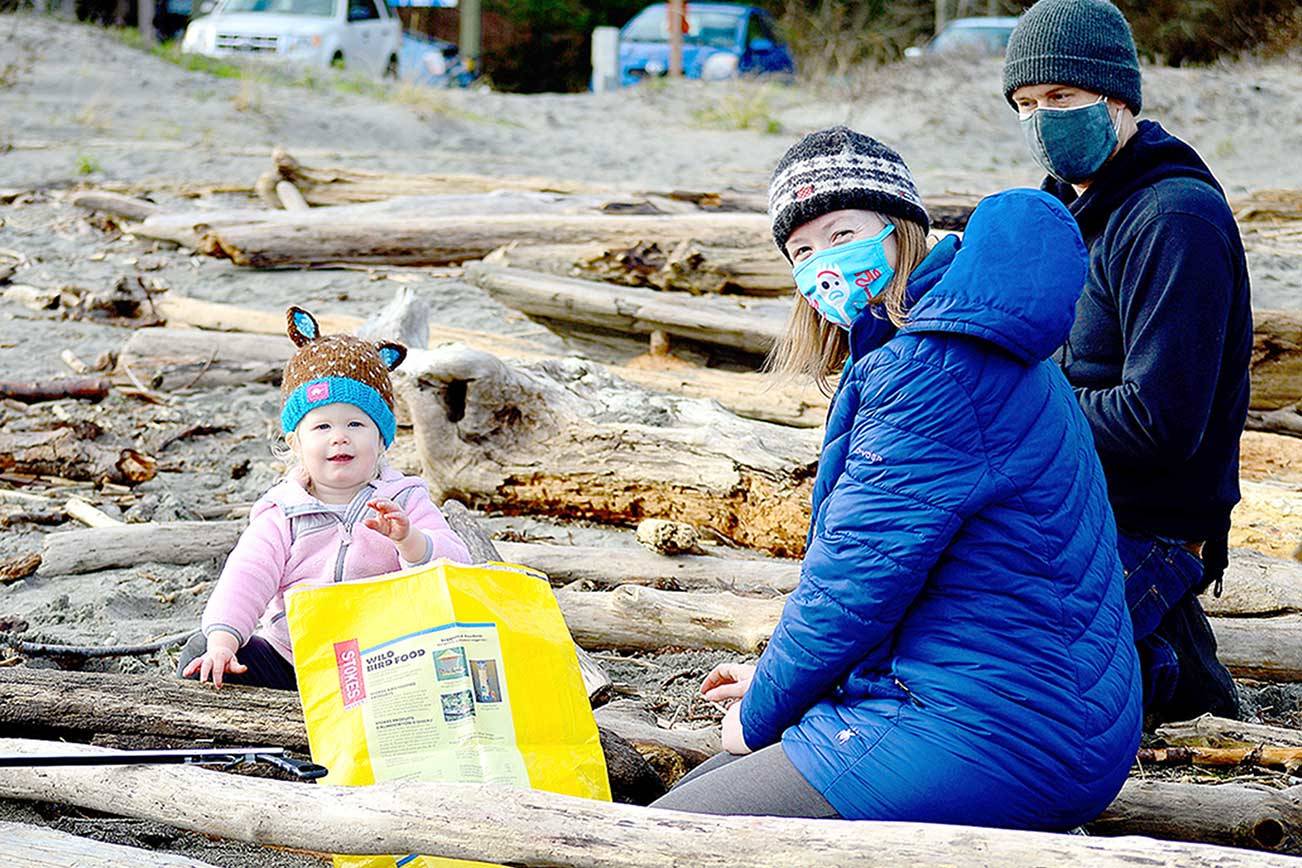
1071, 144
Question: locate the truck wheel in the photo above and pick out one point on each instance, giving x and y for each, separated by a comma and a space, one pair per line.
337, 62
391, 70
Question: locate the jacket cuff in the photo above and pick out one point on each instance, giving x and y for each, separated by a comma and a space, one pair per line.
224, 628
429, 553
756, 732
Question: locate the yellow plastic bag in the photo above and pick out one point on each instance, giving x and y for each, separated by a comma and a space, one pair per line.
444, 673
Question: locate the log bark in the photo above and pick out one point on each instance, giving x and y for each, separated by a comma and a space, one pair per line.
1211, 731
116, 204
181, 358
62, 452
751, 326
190, 228
41, 847
1268, 756
477, 821
82, 705
688, 266
1231, 815
1257, 585
341, 186
635, 723
639, 618
451, 240
1266, 648
85, 550
1276, 359
18, 567
567, 438
605, 567
55, 389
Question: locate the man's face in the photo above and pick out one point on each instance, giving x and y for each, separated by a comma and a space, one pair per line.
1030, 97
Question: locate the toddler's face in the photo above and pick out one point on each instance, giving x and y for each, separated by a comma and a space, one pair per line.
340, 448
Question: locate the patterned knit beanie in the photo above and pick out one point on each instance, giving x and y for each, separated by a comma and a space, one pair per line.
337, 369
835, 169
1084, 43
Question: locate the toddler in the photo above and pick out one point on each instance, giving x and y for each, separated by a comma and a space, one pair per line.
340, 513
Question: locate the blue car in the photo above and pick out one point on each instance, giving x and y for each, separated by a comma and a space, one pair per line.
722, 40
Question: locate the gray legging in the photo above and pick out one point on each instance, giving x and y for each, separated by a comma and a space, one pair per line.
764, 783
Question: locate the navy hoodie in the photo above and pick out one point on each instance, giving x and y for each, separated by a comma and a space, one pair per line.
1160, 348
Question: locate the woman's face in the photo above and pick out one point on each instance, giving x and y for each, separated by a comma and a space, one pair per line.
838, 227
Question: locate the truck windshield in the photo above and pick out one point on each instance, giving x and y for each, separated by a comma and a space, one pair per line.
324, 8
715, 29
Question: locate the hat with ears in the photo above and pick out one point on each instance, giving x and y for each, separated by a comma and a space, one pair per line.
333, 369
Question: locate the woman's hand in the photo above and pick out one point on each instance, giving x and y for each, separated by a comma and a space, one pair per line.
733, 740
727, 682
217, 660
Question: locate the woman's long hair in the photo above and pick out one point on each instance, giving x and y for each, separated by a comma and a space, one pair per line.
815, 348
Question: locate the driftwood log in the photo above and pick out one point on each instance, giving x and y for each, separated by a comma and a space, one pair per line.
196, 357
1269, 756
117, 204
1276, 359
55, 389
63, 452
565, 437
688, 266
749, 325
1212, 731
80, 706
1235, 816
191, 227
449, 240
36, 846
85, 550
516, 826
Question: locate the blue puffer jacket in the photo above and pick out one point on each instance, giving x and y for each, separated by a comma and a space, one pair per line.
958, 648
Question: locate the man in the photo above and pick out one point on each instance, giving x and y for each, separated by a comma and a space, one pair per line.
1160, 348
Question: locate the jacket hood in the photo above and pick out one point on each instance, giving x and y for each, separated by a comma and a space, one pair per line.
1015, 278
291, 494
1151, 155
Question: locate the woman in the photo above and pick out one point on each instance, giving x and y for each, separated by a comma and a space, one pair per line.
958, 649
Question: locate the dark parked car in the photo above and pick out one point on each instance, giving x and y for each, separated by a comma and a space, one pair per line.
984, 37
722, 40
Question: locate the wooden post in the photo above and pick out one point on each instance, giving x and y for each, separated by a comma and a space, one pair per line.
471, 30
677, 14
940, 15
145, 21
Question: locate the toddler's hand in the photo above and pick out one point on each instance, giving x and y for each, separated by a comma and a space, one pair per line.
215, 662
389, 519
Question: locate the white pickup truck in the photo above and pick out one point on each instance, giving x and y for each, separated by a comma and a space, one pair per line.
362, 35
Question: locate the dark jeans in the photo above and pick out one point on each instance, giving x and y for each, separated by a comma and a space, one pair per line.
266, 667
763, 783
1177, 649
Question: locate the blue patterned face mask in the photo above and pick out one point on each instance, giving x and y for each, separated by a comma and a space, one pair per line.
840, 280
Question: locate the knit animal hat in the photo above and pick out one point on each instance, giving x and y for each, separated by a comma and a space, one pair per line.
1084, 43
835, 169
334, 369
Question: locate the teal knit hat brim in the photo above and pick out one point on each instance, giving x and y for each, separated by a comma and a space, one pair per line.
338, 390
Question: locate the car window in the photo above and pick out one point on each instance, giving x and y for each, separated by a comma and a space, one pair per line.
971, 40
716, 29
758, 28
362, 10
282, 7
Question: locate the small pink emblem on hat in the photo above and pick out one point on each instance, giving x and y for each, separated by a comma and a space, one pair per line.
318, 392
805, 192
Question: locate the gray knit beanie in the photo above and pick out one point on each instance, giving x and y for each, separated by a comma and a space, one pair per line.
1084, 43
835, 169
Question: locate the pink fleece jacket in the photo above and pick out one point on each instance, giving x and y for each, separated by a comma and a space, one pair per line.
294, 540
